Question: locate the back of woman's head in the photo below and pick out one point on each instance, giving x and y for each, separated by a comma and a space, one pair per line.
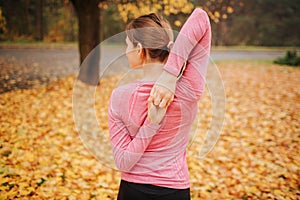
154, 34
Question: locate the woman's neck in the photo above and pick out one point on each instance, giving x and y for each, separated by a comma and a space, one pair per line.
152, 71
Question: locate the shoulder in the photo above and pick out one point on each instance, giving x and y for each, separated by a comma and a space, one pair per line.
129, 89
132, 91
131, 101
119, 98
121, 92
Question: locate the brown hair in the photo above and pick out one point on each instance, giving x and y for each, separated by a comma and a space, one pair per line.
153, 32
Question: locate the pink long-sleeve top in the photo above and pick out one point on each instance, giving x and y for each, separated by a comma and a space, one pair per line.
156, 154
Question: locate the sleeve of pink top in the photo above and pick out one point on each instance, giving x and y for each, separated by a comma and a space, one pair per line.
193, 30
127, 151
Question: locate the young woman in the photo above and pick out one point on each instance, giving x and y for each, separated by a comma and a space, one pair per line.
149, 142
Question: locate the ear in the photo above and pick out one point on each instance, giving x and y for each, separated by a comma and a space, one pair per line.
140, 48
141, 51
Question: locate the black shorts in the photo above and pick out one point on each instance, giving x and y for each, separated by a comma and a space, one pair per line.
136, 191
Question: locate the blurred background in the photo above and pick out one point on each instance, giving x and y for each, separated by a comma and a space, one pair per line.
234, 22
73, 28
42, 46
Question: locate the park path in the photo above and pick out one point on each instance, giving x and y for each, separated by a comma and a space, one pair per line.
22, 68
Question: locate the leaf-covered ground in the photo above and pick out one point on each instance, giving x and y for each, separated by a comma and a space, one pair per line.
256, 157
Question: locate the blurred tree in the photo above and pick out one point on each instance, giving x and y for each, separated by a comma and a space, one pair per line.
178, 10
2, 25
276, 22
220, 12
59, 20
234, 22
108, 15
88, 14
17, 13
266, 23
131, 9
89, 23
39, 20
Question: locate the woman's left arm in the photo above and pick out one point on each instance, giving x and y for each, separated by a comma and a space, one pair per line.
195, 32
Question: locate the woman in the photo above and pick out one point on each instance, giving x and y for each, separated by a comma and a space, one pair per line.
149, 142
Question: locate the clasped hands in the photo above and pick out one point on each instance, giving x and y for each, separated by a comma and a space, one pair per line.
161, 96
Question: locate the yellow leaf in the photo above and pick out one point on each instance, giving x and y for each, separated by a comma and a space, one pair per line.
216, 14
229, 9
177, 23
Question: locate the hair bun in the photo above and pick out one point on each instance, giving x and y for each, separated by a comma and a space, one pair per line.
170, 44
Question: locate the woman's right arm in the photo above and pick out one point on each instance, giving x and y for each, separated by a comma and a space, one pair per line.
127, 151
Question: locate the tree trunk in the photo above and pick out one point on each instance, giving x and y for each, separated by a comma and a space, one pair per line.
89, 37
25, 27
39, 20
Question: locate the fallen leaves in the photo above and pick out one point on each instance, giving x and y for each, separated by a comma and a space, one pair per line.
42, 155
256, 157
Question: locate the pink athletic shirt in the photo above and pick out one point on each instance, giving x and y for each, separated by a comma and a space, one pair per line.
156, 154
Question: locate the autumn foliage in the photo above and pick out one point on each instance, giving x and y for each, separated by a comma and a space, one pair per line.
256, 156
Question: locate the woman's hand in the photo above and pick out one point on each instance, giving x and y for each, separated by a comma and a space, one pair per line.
155, 113
161, 96
162, 93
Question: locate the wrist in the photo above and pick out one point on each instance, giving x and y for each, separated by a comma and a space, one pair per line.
168, 77
167, 80
152, 124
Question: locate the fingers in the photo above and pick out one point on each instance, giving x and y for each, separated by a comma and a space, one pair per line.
170, 101
155, 96
150, 100
160, 96
155, 113
157, 100
163, 103
166, 101
153, 91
